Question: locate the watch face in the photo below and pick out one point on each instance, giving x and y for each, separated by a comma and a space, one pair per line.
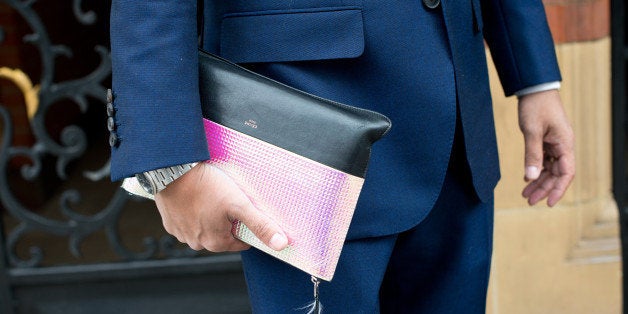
145, 182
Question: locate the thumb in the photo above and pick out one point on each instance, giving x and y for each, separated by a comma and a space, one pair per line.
533, 154
264, 228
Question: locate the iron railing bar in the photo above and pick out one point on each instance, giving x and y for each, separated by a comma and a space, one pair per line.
127, 270
6, 295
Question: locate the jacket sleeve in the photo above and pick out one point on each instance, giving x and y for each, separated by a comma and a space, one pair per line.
157, 114
520, 42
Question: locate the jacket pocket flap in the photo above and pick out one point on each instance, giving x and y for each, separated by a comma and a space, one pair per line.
297, 35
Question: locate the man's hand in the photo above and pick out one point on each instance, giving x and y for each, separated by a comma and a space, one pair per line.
199, 208
549, 147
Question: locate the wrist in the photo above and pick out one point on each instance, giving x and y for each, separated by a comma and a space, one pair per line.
543, 98
154, 181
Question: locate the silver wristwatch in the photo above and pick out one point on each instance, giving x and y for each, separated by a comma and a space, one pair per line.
154, 181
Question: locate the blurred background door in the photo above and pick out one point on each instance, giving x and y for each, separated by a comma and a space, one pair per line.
619, 10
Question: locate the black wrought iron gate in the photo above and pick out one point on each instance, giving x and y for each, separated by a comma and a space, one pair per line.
70, 240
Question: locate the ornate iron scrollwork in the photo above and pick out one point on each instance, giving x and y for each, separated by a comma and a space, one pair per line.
70, 146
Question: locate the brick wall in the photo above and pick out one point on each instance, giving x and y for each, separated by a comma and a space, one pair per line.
578, 20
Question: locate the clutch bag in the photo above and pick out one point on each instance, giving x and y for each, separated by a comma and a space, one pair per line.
300, 159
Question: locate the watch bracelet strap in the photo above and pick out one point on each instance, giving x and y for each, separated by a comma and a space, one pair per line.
133, 187
164, 176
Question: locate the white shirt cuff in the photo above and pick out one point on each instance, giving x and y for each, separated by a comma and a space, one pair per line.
538, 88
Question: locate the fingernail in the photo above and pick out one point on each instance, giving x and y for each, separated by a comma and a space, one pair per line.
278, 242
532, 172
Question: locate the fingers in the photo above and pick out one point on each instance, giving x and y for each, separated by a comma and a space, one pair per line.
533, 138
264, 228
552, 182
213, 240
222, 242
240, 208
539, 189
200, 207
211, 233
220, 239
563, 170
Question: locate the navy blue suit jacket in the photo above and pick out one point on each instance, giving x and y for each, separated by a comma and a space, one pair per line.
415, 65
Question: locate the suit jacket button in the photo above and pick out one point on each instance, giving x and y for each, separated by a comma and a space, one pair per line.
111, 124
110, 110
432, 4
109, 96
113, 139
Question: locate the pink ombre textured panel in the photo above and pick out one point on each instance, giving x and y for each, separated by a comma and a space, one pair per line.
313, 203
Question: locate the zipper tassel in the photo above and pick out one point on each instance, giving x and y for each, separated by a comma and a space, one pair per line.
315, 307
